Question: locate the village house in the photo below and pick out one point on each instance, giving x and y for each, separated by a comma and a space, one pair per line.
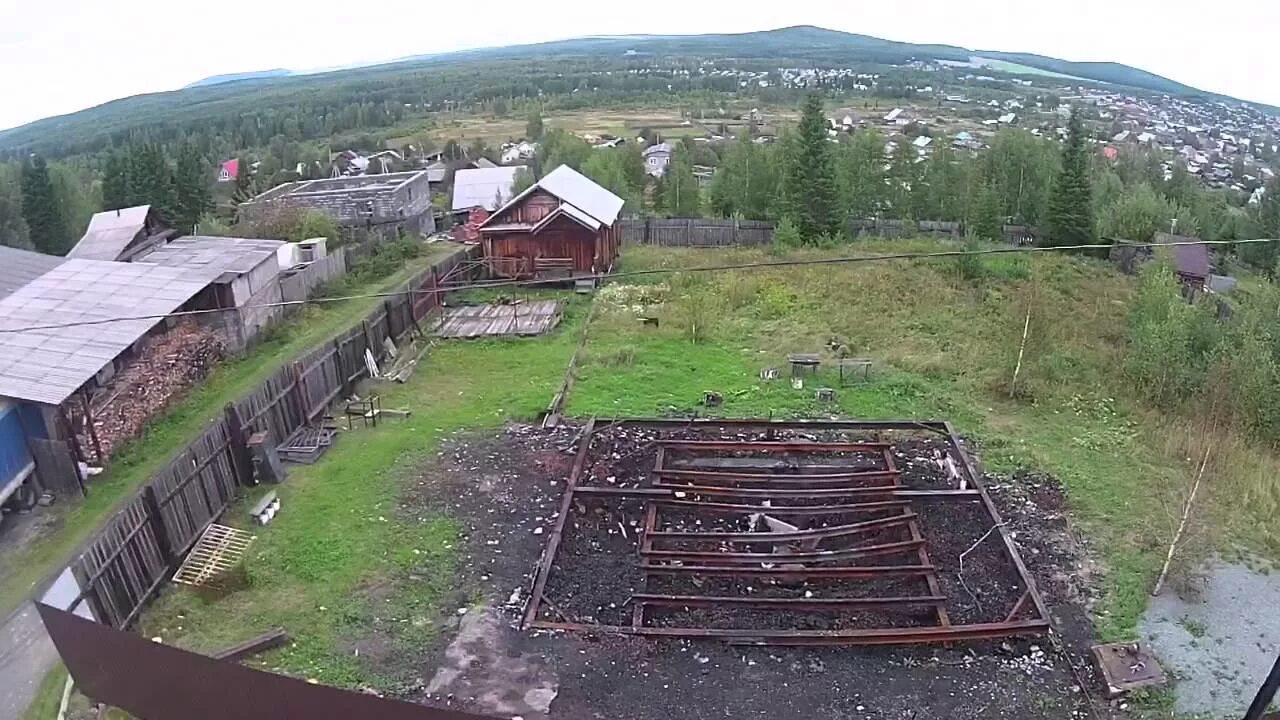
515, 152
562, 226
229, 170
656, 158
391, 204
122, 234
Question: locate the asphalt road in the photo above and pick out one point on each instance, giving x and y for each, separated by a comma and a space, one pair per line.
26, 655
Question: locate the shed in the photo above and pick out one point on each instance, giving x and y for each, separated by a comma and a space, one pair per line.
391, 203
67, 330
122, 234
1190, 262
246, 278
562, 225
19, 267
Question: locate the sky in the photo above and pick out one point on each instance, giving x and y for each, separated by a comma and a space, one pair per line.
65, 55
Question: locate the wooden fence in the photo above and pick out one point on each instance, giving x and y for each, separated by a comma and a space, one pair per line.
298, 286
703, 232
696, 232
141, 545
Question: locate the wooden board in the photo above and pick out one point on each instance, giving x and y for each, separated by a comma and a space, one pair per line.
533, 317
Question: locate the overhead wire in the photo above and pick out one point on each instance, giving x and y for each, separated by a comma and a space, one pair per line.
597, 277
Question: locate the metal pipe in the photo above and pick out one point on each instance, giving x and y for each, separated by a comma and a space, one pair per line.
736, 558
783, 603
778, 537
822, 573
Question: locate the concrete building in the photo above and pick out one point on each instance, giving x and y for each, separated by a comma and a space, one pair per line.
396, 203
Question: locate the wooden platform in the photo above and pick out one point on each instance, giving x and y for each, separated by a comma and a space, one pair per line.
532, 317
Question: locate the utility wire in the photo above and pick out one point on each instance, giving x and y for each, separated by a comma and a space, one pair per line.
597, 277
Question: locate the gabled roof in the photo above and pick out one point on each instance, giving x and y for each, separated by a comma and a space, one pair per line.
45, 356
110, 233
1187, 259
484, 187
19, 267
581, 193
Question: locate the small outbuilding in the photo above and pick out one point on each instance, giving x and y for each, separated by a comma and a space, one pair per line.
246, 279
563, 225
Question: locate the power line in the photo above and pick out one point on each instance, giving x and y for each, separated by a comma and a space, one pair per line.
761, 265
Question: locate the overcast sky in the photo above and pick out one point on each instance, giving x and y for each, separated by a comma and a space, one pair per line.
59, 56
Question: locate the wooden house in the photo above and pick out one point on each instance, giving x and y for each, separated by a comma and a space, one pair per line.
563, 225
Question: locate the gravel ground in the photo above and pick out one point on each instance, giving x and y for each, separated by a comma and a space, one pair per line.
1220, 643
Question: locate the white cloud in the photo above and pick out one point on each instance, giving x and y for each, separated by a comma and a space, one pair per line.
59, 57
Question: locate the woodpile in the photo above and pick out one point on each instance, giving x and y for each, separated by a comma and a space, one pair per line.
166, 367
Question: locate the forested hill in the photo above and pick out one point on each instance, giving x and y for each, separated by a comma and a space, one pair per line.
253, 108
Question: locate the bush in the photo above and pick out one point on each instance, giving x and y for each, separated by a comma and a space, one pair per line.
786, 235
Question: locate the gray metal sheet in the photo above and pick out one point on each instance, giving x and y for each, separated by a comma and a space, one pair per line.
47, 364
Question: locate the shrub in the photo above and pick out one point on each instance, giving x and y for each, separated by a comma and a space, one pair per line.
786, 234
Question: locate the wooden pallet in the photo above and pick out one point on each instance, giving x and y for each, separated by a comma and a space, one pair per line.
217, 554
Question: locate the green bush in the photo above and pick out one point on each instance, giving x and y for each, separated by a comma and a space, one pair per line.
786, 234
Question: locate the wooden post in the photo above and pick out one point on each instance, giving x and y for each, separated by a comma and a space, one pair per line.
296, 394
647, 230
93, 431
1026, 325
156, 519
342, 368
391, 326
239, 441
1182, 526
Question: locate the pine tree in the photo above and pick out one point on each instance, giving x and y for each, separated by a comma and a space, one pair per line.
1070, 218
193, 196
47, 227
150, 180
680, 193
115, 181
533, 128
809, 183
987, 224
243, 191
861, 171
13, 227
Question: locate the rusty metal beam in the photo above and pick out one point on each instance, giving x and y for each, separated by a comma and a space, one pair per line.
553, 541
887, 491
875, 636
714, 507
822, 573
773, 447
775, 603
975, 481
780, 479
736, 558
780, 537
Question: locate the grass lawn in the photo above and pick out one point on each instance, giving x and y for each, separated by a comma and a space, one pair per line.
24, 568
340, 558
944, 346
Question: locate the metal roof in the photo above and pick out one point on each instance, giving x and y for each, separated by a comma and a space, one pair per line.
1187, 259
482, 187
228, 256
19, 267
580, 191
110, 232
48, 365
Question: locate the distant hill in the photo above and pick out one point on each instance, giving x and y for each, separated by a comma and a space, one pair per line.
223, 101
236, 77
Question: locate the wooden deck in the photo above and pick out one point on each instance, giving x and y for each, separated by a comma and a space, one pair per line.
520, 318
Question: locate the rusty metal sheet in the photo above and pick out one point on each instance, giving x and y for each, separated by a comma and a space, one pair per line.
158, 682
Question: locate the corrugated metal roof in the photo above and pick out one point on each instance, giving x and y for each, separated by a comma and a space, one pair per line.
484, 187
47, 366
578, 190
109, 233
19, 267
582, 218
225, 255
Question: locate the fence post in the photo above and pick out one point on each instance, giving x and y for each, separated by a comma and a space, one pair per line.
391, 326
239, 445
156, 519
688, 232
342, 368
647, 229
296, 393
